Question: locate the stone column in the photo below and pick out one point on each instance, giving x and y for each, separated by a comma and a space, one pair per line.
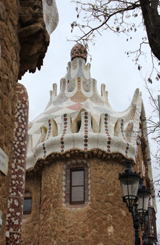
18, 167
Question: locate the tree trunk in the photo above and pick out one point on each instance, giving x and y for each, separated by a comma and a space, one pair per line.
152, 23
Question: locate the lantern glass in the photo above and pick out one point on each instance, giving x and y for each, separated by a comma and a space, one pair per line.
143, 200
140, 203
129, 185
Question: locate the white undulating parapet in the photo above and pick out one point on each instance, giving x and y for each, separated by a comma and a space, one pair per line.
79, 118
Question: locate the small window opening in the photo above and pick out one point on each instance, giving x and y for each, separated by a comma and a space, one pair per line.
77, 188
27, 204
150, 224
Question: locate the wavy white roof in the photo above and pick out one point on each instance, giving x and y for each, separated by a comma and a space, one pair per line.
79, 118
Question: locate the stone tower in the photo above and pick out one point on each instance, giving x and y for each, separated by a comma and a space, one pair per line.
76, 148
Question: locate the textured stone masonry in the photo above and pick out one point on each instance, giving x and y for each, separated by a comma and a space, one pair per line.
18, 167
100, 222
9, 69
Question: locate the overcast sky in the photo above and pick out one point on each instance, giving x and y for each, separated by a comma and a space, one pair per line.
109, 65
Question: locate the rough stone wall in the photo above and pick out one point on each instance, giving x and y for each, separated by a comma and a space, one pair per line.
30, 227
16, 30
9, 69
18, 167
100, 222
33, 37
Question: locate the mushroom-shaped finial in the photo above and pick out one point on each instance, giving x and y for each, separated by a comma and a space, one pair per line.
80, 51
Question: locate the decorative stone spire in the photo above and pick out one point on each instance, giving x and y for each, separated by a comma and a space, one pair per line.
79, 51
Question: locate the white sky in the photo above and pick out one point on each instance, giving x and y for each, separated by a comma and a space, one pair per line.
109, 65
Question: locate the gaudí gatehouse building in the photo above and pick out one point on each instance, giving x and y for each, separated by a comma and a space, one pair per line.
59, 179
76, 149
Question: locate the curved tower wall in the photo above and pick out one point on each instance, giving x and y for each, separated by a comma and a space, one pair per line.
103, 220
100, 221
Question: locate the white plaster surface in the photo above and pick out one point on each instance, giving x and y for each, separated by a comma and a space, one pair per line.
117, 133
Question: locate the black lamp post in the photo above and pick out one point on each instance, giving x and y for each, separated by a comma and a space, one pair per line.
130, 182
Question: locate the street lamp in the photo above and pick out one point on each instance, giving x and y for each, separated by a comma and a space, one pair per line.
143, 198
130, 182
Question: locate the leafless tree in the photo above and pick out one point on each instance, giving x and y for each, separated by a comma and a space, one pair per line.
153, 128
120, 16
158, 238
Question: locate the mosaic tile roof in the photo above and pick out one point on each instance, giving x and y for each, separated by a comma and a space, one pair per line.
79, 118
